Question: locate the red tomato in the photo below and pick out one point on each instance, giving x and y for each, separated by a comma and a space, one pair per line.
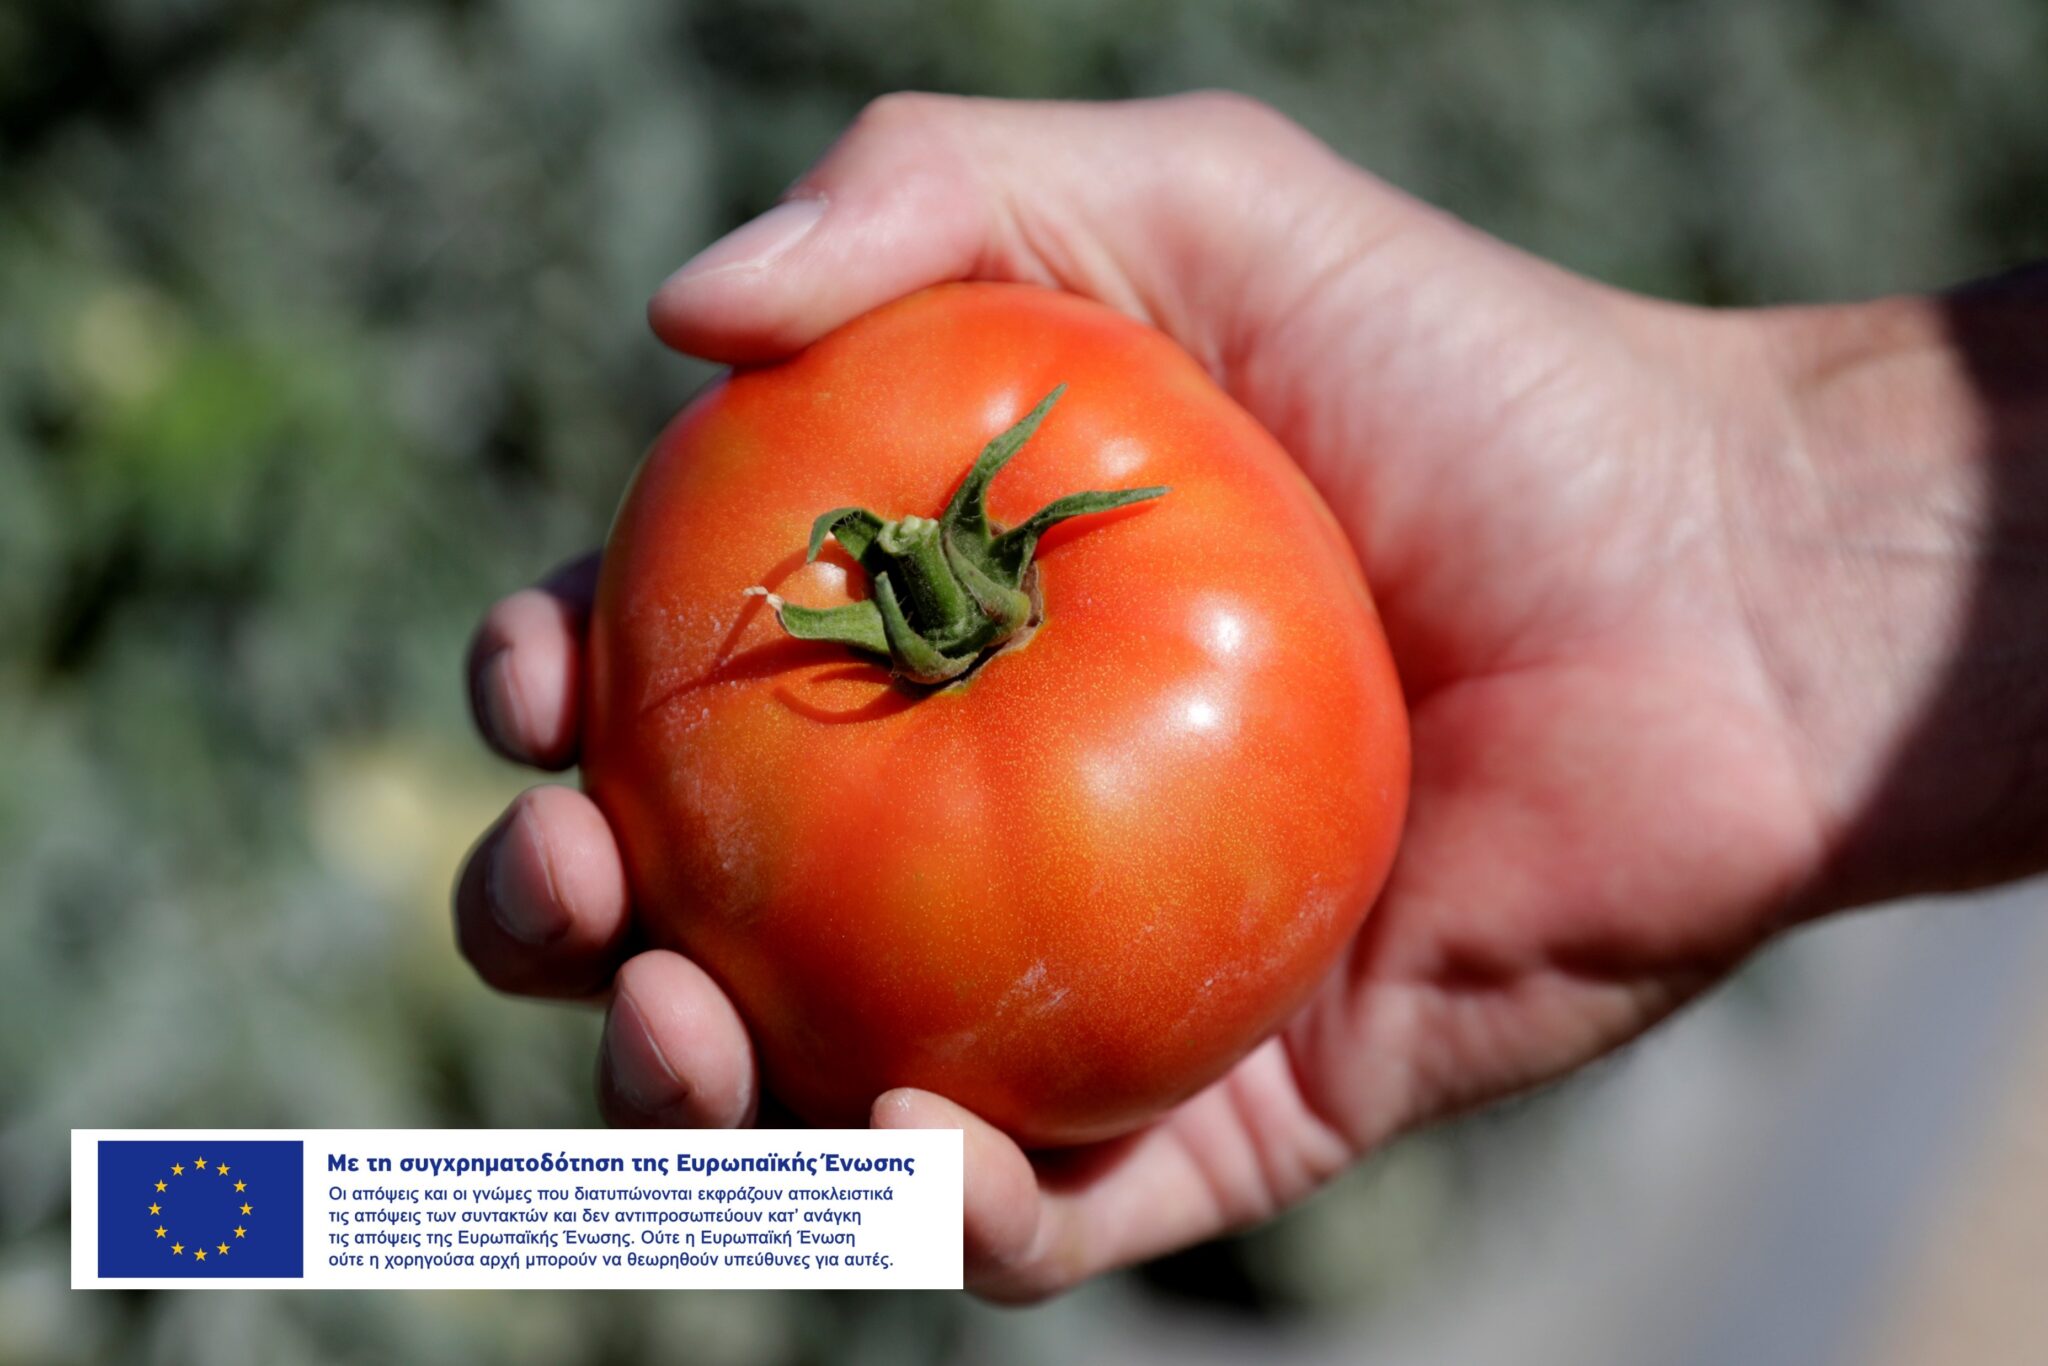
1073, 886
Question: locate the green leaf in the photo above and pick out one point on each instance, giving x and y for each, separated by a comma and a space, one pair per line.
858, 624
1011, 552
967, 515
854, 528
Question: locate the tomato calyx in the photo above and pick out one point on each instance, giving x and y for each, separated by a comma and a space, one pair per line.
948, 592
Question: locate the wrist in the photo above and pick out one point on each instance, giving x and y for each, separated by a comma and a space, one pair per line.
1890, 543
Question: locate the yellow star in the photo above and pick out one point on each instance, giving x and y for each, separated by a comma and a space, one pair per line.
177, 1248
240, 1184
159, 1185
155, 1208
199, 1162
177, 1170
245, 1209
223, 1249
239, 1230
159, 1230
200, 1254
222, 1169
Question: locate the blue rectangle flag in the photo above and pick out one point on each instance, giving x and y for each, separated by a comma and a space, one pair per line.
198, 1209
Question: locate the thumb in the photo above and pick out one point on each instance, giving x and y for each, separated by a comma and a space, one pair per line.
1201, 214
1007, 1222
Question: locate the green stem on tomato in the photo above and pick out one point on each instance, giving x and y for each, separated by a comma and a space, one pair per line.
948, 592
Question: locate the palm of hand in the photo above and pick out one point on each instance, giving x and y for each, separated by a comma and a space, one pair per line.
1605, 817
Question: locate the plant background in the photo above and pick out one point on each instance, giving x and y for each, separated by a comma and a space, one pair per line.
320, 326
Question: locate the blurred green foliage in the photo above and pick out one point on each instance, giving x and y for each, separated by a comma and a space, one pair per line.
320, 325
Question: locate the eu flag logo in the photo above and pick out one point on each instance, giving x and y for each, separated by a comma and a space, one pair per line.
187, 1207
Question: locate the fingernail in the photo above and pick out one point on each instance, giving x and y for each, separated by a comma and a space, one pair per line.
503, 709
525, 906
640, 1076
755, 244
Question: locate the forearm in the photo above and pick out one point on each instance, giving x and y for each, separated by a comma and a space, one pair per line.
1893, 556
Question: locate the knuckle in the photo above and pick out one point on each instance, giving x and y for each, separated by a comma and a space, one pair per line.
1232, 112
905, 111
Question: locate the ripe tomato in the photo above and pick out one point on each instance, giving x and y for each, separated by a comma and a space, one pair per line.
1071, 886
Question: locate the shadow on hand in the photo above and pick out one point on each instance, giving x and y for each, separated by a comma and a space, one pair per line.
1970, 776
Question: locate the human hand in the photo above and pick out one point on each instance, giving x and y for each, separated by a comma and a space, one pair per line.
1547, 483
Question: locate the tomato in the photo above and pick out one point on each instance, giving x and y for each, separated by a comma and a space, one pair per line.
1070, 882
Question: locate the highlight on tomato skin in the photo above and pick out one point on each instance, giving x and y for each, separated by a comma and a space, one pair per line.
1060, 835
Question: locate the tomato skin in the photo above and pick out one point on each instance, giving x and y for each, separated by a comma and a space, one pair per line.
1073, 890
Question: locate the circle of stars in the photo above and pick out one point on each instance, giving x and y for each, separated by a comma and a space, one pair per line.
200, 1252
